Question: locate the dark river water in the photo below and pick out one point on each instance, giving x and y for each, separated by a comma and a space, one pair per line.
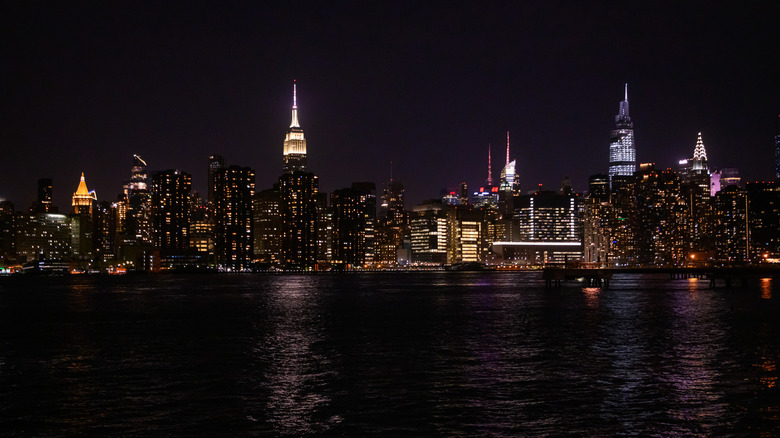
397, 354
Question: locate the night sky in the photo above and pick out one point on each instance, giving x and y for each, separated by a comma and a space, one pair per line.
425, 85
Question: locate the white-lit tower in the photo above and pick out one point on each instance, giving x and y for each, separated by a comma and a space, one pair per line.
622, 151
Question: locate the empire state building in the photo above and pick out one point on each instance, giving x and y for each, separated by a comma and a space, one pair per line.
622, 152
294, 141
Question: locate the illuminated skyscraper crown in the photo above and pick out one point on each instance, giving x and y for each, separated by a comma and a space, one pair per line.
83, 198
699, 155
623, 116
622, 151
294, 141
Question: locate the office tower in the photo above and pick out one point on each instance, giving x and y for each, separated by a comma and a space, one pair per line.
298, 190
598, 187
44, 202
354, 221
467, 239
696, 193
764, 220
546, 227
393, 223
215, 162
104, 231
138, 178
81, 221
294, 154
622, 151
428, 224
731, 225
43, 236
661, 218
324, 228
171, 211
234, 188
135, 213
299, 219
83, 199
348, 228
596, 220
266, 210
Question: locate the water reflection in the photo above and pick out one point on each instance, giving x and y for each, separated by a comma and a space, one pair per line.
299, 372
692, 365
766, 288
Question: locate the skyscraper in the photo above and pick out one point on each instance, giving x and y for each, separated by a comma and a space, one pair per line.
83, 198
215, 162
44, 203
234, 188
622, 151
298, 190
171, 210
294, 142
299, 219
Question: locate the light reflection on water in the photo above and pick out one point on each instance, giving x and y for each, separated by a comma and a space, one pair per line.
432, 354
298, 373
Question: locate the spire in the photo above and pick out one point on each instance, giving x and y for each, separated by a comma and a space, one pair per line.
623, 116
699, 154
82, 188
490, 172
294, 123
507, 147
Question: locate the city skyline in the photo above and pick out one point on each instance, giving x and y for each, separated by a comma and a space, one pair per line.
87, 92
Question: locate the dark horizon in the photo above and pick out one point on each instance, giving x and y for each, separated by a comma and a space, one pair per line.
426, 87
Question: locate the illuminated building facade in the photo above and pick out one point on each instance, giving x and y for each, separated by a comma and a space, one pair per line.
234, 189
294, 154
104, 230
44, 235
393, 223
428, 223
215, 162
597, 212
546, 228
267, 221
696, 192
661, 218
764, 220
81, 221
299, 219
466, 234
622, 151
324, 229
349, 227
83, 199
731, 225
136, 234
171, 211
299, 194
138, 177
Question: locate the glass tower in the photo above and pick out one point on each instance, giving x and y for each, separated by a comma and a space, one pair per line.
622, 152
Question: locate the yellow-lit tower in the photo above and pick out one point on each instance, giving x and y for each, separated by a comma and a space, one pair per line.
83, 198
294, 141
